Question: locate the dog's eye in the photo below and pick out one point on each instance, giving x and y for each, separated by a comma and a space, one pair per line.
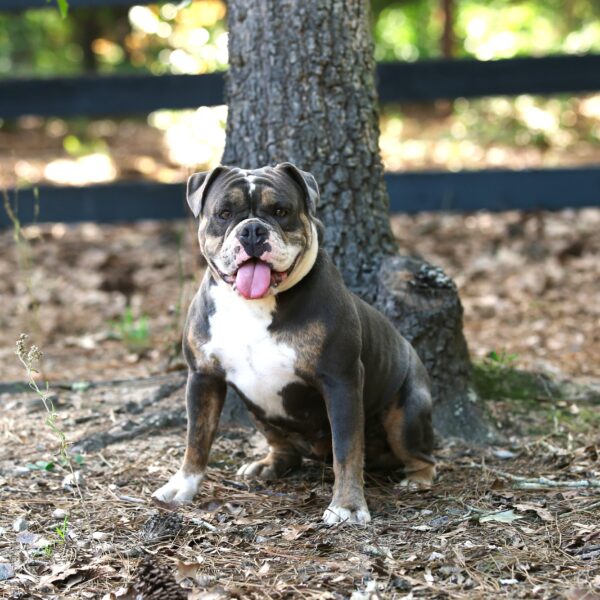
281, 212
225, 214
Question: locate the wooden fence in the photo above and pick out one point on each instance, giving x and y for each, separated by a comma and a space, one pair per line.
96, 95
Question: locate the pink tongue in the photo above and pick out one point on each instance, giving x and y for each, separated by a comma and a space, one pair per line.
253, 279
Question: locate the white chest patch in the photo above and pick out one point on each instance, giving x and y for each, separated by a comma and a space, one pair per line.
258, 365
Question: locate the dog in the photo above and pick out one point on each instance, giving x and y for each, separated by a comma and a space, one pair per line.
323, 374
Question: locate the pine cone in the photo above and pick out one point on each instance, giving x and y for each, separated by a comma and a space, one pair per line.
153, 581
161, 526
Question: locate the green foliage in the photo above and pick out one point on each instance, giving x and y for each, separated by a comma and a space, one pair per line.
189, 37
135, 333
79, 146
486, 29
496, 378
41, 465
502, 359
38, 42
81, 386
63, 8
167, 39
407, 30
30, 356
507, 28
61, 530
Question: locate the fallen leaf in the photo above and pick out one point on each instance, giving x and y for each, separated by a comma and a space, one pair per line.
505, 516
27, 537
66, 576
7, 571
216, 594
436, 556
19, 524
542, 513
503, 454
295, 531
186, 570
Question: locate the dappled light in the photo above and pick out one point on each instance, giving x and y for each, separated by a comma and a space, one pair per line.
93, 168
524, 132
193, 138
368, 369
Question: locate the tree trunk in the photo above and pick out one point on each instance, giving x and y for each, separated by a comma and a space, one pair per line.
301, 88
448, 29
423, 303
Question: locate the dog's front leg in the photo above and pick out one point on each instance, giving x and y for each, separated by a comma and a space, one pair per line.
343, 398
204, 394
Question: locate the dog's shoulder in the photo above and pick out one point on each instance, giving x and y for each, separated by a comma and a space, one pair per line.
196, 331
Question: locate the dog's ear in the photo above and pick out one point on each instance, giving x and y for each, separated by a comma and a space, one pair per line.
306, 182
197, 188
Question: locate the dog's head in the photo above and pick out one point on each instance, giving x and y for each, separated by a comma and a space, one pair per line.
258, 230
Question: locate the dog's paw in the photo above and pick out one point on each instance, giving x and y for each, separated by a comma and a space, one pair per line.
261, 469
414, 484
338, 514
180, 489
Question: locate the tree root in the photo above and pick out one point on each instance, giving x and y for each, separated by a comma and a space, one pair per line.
152, 424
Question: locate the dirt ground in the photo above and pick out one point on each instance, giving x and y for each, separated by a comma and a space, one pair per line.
476, 534
529, 283
85, 528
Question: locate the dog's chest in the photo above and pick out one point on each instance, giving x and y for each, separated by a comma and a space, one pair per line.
256, 363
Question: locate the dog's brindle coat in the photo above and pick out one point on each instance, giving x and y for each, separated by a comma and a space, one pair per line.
323, 374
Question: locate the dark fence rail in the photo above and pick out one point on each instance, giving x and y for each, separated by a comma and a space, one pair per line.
93, 95
409, 193
448, 79
397, 82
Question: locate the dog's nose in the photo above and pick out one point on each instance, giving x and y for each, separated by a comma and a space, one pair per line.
253, 236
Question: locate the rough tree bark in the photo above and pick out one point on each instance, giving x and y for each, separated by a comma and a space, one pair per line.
301, 88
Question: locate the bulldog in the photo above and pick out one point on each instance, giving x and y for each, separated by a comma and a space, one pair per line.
324, 375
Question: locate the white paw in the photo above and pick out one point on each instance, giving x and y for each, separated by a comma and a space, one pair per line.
338, 514
180, 488
257, 469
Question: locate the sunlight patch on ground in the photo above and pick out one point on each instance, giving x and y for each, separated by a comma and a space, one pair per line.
193, 138
93, 168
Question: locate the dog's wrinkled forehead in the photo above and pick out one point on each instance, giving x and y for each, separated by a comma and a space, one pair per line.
252, 186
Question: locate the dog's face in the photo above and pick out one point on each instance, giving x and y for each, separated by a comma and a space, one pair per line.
258, 230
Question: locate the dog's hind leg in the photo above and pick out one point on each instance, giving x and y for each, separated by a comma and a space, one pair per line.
408, 427
281, 459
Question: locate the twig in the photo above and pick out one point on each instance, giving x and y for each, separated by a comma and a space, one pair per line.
536, 483
204, 524
125, 498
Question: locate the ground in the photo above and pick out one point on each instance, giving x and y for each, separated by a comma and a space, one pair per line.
474, 535
528, 283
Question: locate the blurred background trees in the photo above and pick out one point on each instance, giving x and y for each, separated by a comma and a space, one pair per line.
191, 38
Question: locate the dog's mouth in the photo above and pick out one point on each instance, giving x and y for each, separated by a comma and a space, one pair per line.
255, 277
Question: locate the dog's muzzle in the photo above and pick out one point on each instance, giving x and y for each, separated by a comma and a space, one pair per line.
253, 237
